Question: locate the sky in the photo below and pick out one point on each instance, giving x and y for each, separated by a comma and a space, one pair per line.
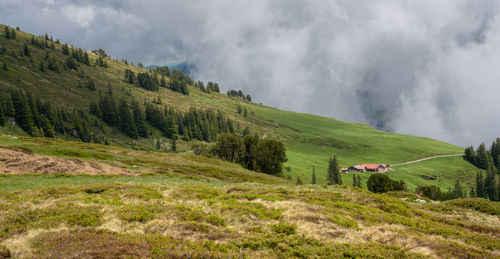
427, 68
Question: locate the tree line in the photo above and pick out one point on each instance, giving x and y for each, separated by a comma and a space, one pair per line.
150, 81
433, 192
42, 118
488, 185
130, 119
239, 94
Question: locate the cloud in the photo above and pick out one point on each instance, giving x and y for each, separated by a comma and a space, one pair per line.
416, 67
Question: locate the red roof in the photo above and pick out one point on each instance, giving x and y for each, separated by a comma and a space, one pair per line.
359, 167
344, 169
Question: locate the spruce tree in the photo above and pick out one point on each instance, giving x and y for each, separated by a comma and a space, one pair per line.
457, 190
2, 115
491, 184
333, 173
26, 50
7, 32
23, 113
13, 35
126, 122
482, 157
479, 184
472, 193
313, 178
354, 180
359, 181
42, 67
173, 145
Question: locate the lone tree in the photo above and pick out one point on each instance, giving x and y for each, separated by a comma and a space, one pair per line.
333, 172
313, 181
354, 180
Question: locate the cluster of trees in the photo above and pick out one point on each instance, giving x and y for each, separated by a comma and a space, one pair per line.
211, 87
487, 186
131, 119
433, 192
333, 173
39, 118
482, 157
252, 152
239, 94
356, 180
193, 124
9, 34
75, 54
149, 81
380, 183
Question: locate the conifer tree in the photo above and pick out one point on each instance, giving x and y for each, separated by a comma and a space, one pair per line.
42, 67
158, 144
126, 122
86, 60
313, 181
26, 50
491, 184
333, 173
354, 180
457, 189
2, 115
13, 34
23, 113
4, 66
472, 193
482, 157
7, 32
358, 182
479, 184
173, 145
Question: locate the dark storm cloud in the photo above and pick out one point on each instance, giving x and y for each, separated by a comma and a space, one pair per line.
419, 67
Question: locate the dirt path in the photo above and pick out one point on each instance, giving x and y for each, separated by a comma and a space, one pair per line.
423, 159
18, 161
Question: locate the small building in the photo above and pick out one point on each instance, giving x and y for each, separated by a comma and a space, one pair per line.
357, 168
379, 168
345, 170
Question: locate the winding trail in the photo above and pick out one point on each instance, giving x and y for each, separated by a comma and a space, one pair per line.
423, 159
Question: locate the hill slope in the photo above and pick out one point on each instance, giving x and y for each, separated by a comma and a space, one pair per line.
310, 140
204, 208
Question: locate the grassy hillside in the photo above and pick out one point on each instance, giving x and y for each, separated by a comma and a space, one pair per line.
310, 140
179, 205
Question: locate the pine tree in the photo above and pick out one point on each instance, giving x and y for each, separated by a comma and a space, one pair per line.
26, 50
158, 144
313, 181
482, 157
126, 122
354, 180
491, 184
13, 35
86, 60
42, 67
2, 115
333, 173
7, 32
173, 145
23, 113
359, 181
480, 185
472, 193
457, 190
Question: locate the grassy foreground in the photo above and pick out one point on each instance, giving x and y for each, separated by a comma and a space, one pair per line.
177, 217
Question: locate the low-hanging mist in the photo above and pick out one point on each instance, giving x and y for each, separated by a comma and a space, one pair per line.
425, 68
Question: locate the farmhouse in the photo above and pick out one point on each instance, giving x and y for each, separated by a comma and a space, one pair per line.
357, 168
379, 168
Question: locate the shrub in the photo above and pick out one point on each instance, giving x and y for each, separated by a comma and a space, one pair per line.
284, 228
380, 183
216, 220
